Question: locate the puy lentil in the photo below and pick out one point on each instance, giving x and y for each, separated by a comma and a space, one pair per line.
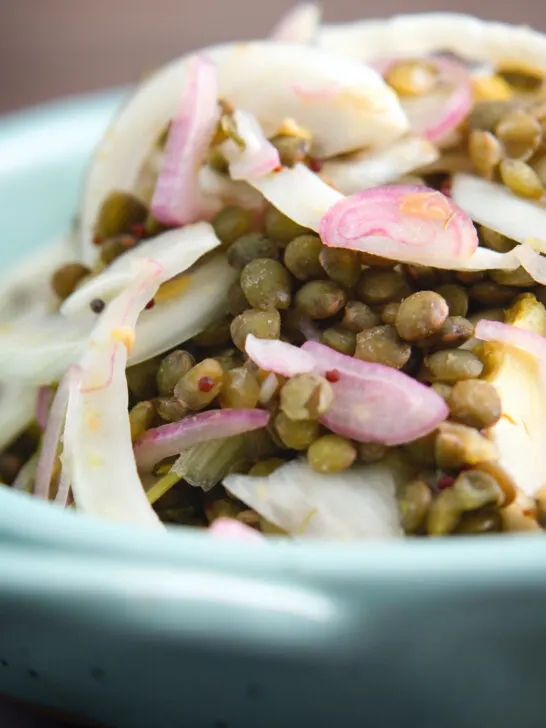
518, 278
172, 368
118, 213
379, 286
237, 302
112, 248
520, 134
266, 284
65, 279
248, 248
320, 299
358, 316
414, 501
340, 339
331, 454
458, 445
342, 266
421, 315
422, 451
453, 365
475, 489
444, 513
412, 78
170, 409
495, 241
382, 345
292, 149
264, 468
296, 435
485, 151
476, 523
140, 419
456, 298
489, 293
521, 178
371, 452
281, 228
389, 313
240, 389
231, 223
475, 403
216, 334
189, 390
302, 257
262, 324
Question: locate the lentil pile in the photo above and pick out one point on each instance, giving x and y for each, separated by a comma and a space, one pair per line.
291, 287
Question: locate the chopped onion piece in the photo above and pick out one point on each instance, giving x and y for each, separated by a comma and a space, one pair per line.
229, 191
182, 246
402, 222
379, 167
375, 403
167, 440
530, 342
532, 261
495, 206
65, 480
52, 434
298, 193
258, 157
277, 356
358, 503
177, 198
298, 25
268, 389
232, 528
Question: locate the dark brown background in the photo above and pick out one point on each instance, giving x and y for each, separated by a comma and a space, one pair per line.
50, 48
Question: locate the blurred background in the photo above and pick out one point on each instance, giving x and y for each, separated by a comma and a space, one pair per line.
51, 48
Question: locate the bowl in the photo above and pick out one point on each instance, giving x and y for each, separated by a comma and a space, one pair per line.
177, 629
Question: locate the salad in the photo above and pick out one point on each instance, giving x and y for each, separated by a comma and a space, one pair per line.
304, 293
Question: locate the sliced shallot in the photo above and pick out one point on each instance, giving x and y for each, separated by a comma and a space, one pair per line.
277, 356
43, 404
533, 262
298, 25
167, 440
177, 198
530, 342
232, 528
375, 403
257, 158
402, 222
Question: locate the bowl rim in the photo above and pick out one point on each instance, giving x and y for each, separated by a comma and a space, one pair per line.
46, 527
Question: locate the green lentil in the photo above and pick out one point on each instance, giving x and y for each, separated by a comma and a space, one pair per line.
141, 379
371, 452
422, 451
112, 248
389, 313
170, 409
340, 339
382, 345
216, 334
444, 513
172, 368
379, 286
442, 389
191, 391
262, 324
479, 523
306, 397
522, 81
456, 298
237, 302
489, 314
521, 179
358, 316
296, 435
140, 419
119, 212
475, 403
475, 489
331, 454
455, 331
240, 389
486, 115
292, 149
424, 277
281, 228
231, 223
451, 366
518, 278
485, 152
421, 315
490, 293
458, 445
495, 241
302, 257
153, 227
469, 277
66, 279
520, 134
320, 299
264, 468
341, 266
266, 284
414, 502
228, 360
248, 248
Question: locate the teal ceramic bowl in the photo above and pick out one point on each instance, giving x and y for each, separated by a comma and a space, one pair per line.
177, 630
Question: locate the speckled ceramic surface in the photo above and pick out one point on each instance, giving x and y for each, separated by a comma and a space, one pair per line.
180, 631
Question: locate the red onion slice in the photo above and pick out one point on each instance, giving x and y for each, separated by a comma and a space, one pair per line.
530, 342
231, 528
167, 440
258, 157
43, 404
532, 261
177, 198
375, 403
298, 25
280, 357
402, 222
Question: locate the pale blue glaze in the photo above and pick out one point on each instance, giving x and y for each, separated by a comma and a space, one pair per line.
179, 630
